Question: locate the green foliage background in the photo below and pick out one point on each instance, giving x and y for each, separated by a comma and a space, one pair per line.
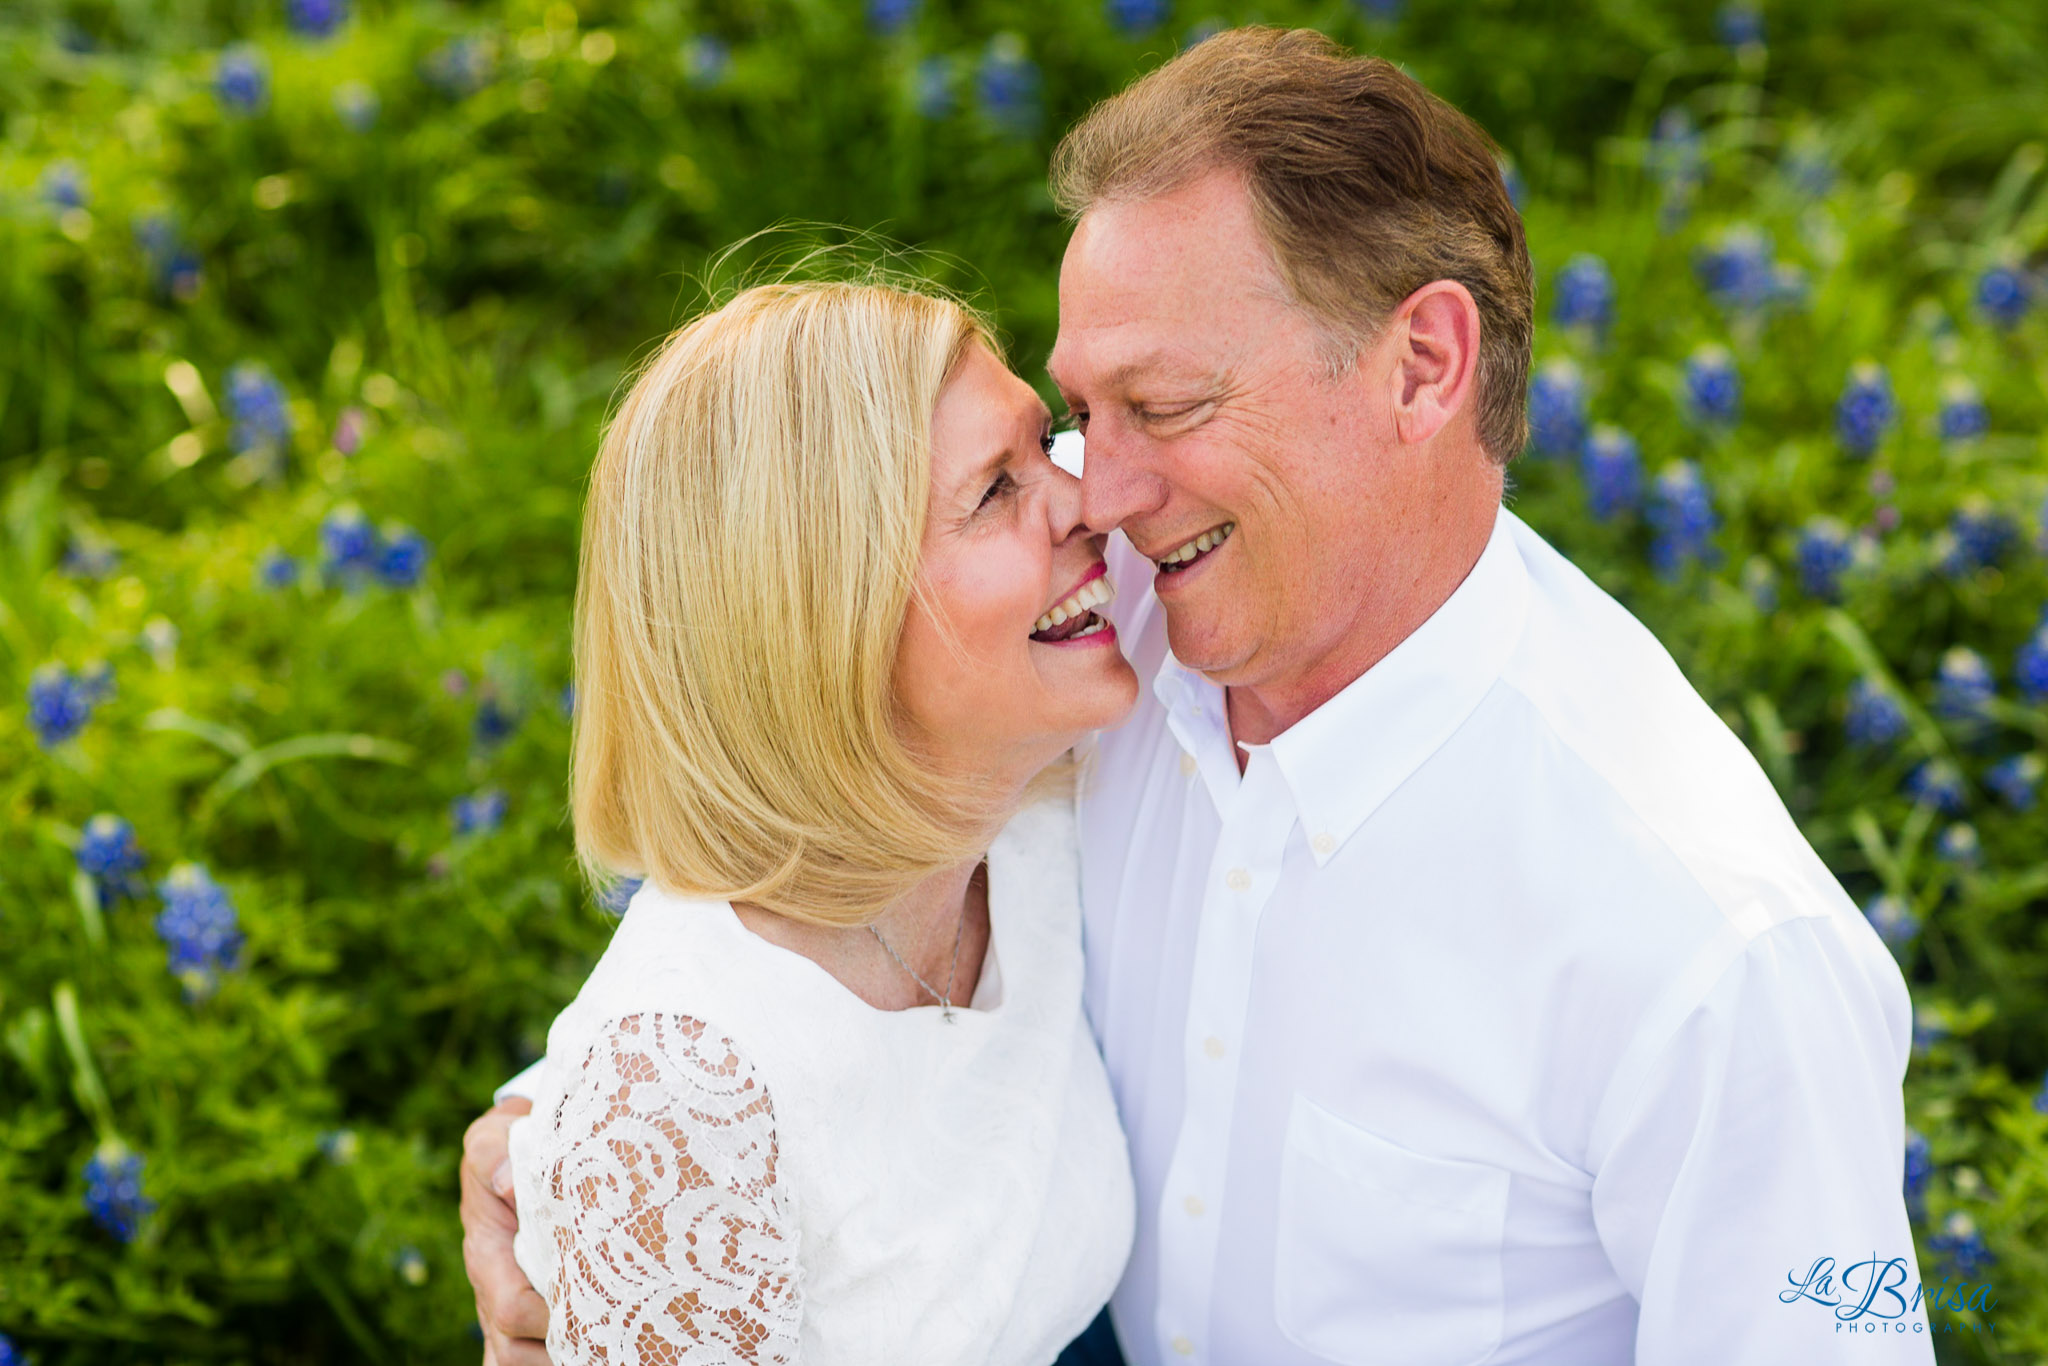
466, 279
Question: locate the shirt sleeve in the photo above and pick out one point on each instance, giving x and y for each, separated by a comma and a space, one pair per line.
1750, 1192
675, 1242
526, 1086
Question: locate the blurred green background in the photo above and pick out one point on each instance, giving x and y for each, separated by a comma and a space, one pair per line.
309, 313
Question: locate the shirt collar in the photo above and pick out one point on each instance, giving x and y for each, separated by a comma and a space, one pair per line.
1347, 756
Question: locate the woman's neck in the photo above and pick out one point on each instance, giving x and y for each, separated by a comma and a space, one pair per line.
921, 926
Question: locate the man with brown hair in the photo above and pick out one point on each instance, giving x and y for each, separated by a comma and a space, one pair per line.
1467, 992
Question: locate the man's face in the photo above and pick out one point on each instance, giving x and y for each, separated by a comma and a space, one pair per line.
1210, 411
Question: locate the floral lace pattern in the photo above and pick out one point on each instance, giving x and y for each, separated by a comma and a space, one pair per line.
674, 1240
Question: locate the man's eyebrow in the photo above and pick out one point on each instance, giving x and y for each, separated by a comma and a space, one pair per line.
1149, 364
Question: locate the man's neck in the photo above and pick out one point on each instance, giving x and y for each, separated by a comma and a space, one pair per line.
1258, 712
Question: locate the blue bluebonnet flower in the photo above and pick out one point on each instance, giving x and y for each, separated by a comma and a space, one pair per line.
357, 106
241, 79
706, 59
479, 813
1713, 389
1682, 513
1557, 409
90, 558
275, 569
614, 897
1866, 409
1962, 411
1138, 17
567, 701
1875, 718
2017, 780
1007, 86
494, 723
1739, 25
63, 185
1386, 11
1807, 164
891, 16
1675, 156
1959, 844
113, 1191
1961, 1246
348, 541
59, 704
1760, 581
412, 1267
349, 429
401, 556
1823, 554
1893, 920
1585, 294
1511, 181
1938, 784
109, 854
1919, 1171
460, 67
1962, 683
1790, 287
9, 1354
1736, 268
198, 927
340, 1146
2030, 667
2004, 293
2041, 1097
1929, 1028
259, 406
1613, 471
316, 18
174, 268
931, 88
1979, 535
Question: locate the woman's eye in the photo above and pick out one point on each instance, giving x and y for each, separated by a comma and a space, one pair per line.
1002, 485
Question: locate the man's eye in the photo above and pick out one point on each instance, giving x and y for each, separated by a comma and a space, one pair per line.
1001, 486
1166, 414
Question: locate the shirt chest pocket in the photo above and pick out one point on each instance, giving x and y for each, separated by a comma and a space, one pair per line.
1385, 1257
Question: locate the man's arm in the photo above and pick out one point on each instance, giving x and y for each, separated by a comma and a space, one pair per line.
1748, 1170
514, 1317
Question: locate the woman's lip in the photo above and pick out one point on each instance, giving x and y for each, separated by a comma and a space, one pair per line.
1101, 568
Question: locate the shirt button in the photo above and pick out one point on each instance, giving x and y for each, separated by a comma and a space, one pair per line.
1187, 764
1183, 1344
1238, 880
1213, 1046
1322, 844
1193, 1205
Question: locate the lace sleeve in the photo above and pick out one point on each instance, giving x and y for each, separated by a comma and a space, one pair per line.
675, 1243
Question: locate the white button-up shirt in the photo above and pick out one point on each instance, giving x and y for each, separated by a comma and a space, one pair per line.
1497, 1012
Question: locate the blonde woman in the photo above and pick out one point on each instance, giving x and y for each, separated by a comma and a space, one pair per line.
829, 1094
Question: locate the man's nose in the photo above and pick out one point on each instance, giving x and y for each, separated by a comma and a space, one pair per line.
1115, 485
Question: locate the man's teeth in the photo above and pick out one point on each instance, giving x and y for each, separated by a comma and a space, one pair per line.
1088, 596
1208, 540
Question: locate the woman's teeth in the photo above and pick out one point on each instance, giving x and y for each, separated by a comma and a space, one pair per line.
1207, 541
1088, 596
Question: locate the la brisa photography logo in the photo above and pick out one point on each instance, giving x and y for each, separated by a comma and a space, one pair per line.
1877, 1295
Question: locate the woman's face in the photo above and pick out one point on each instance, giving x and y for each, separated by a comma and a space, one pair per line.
1004, 547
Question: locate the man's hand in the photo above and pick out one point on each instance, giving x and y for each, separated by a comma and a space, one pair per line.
514, 1317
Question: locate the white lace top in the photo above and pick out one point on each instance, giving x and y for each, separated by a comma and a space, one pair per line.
733, 1158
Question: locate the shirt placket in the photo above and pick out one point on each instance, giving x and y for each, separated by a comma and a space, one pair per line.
1258, 817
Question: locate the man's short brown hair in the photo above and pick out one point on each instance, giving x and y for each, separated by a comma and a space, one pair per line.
1366, 186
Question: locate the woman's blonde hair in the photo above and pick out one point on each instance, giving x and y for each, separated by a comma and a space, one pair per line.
750, 549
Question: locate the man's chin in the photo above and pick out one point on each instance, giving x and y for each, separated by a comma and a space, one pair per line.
1218, 649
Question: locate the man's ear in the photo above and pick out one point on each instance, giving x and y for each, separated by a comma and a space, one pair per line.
1435, 339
